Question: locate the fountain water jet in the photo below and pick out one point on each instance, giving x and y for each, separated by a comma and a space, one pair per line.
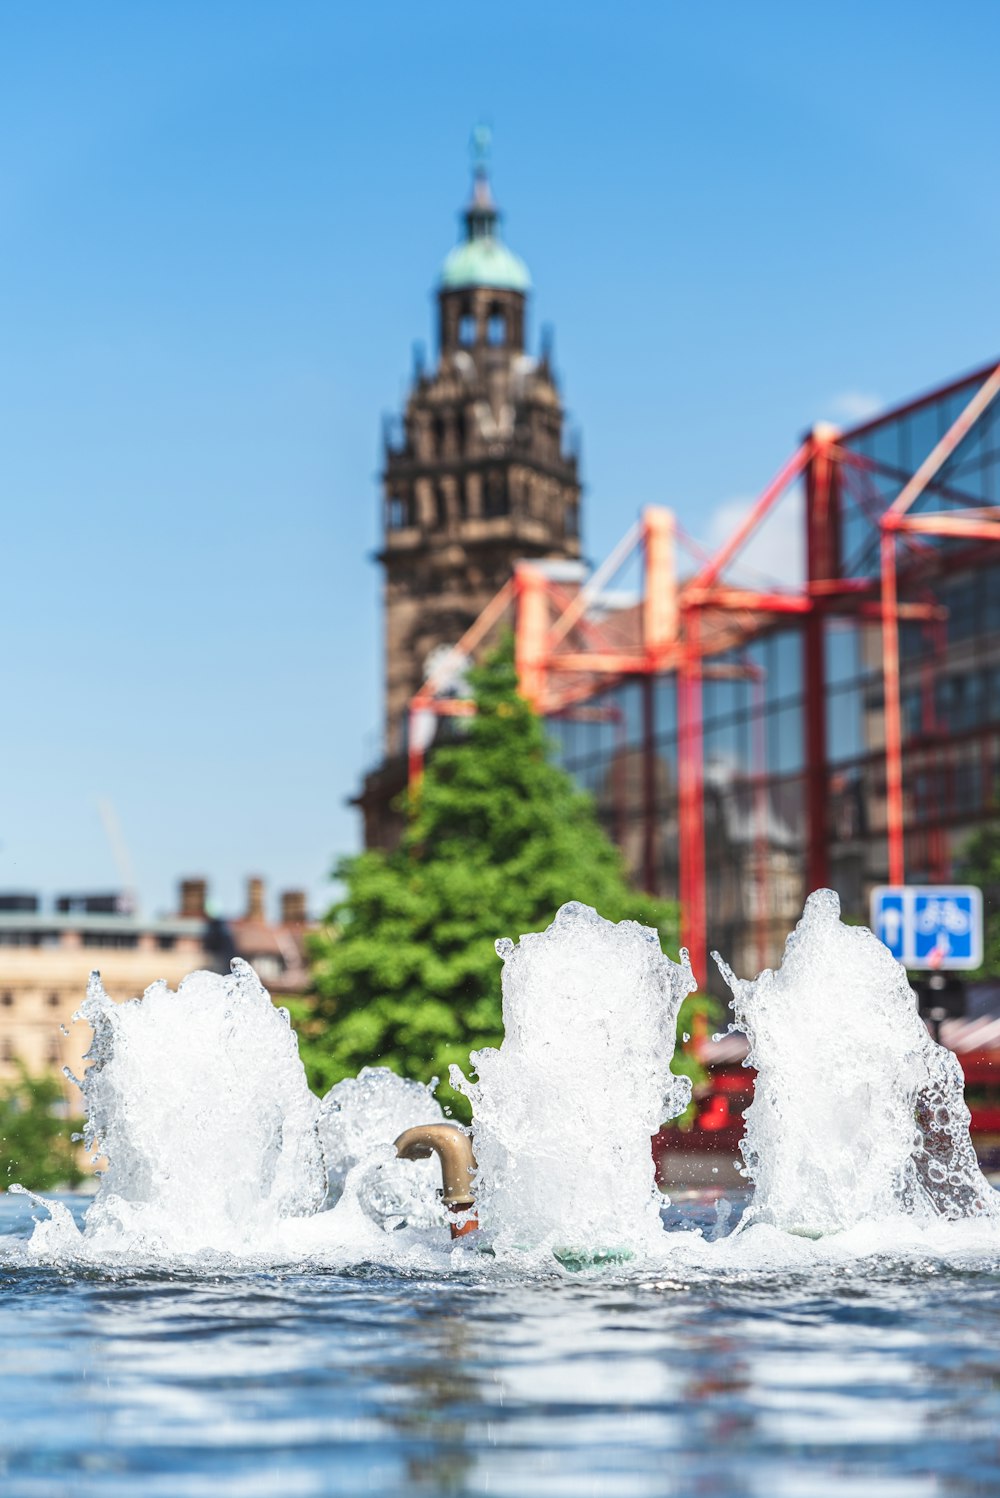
199, 1102
858, 1115
563, 1111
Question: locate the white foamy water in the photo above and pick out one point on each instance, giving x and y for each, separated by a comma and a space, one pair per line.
858, 1115
212, 1141
563, 1111
857, 1142
198, 1101
358, 1120
362, 1113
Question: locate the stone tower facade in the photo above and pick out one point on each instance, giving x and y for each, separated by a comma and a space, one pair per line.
477, 476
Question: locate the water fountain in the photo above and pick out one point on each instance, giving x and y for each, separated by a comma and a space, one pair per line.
214, 1143
858, 1115
263, 1289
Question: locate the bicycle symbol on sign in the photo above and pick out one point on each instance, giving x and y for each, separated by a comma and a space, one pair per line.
943, 915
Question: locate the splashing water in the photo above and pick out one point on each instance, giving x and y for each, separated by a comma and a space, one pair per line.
857, 1140
564, 1110
361, 1113
358, 1120
198, 1100
858, 1115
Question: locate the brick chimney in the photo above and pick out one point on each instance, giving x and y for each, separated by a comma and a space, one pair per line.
255, 900
193, 895
293, 907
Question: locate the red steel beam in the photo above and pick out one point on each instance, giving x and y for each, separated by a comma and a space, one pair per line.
659, 604
531, 654
917, 402
893, 713
745, 598
592, 587
821, 563
616, 662
690, 799
947, 525
476, 631
707, 576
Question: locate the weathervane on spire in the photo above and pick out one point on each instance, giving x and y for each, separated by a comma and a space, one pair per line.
481, 214
480, 144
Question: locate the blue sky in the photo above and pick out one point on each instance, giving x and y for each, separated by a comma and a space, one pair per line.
219, 230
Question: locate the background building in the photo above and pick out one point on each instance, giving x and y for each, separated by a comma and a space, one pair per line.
47, 956
477, 475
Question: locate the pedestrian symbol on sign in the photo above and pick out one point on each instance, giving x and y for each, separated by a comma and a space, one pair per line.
890, 924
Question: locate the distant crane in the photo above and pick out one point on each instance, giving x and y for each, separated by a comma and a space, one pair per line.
120, 854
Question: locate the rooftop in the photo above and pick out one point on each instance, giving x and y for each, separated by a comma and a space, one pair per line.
483, 259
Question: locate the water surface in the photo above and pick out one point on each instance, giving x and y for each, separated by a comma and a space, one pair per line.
875, 1377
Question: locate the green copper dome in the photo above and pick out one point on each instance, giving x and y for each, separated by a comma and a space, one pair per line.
484, 262
483, 259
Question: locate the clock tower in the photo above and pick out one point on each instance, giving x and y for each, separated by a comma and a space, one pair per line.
477, 475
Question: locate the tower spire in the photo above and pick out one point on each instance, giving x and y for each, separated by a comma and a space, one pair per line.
482, 214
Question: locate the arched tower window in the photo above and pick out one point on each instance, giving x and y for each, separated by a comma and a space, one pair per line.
440, 505
398, 512
467, 330
496, 328
495, 493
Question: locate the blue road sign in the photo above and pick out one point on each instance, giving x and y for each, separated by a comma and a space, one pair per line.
930, 925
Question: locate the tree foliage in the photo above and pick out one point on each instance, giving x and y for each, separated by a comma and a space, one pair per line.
498, 837
35, 1145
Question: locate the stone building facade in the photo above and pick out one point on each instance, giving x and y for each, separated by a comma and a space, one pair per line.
478, 475
47, 956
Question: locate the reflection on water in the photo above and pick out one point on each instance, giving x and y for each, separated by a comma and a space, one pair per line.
867, 1378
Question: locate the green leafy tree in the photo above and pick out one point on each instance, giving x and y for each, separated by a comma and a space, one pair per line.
35, 1145
498, 837
980, 864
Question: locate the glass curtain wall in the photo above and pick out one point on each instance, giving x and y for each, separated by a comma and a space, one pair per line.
949, 666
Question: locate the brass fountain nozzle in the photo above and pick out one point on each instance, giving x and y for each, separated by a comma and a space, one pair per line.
453, 1148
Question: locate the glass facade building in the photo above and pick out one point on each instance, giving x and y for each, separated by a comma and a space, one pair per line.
794, 780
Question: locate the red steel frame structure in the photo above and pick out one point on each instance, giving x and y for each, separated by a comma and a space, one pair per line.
567, 651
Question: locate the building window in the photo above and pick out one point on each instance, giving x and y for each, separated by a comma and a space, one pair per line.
467, 330
52, 1051
6, 1049
496, 330
495, 496
441, 505
6, 998
53, 1001
572, 520
166, 943
398, 512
